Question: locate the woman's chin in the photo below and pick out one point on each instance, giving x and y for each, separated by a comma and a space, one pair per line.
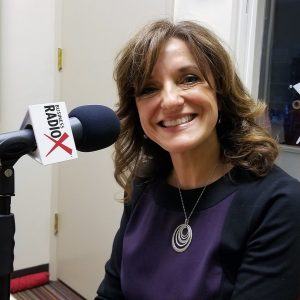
178, 147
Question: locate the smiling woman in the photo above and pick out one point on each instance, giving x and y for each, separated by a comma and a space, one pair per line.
207, 214
172, 67
178, 109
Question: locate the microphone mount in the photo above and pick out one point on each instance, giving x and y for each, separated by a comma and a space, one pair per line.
7, 223
14, 145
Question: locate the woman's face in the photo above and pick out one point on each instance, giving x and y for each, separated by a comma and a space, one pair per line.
177, 108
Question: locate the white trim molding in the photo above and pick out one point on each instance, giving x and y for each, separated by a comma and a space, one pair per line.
247, 39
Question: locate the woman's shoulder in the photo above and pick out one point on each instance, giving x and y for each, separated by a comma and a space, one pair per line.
272, 201
275, 180
277, 191
276, 173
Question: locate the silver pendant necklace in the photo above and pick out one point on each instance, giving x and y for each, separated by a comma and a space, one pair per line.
182, 236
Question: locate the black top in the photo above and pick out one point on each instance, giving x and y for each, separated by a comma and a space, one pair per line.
246, 241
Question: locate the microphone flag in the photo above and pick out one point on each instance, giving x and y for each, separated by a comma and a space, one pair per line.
52, 131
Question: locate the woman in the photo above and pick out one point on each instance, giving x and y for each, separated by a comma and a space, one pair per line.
207, 213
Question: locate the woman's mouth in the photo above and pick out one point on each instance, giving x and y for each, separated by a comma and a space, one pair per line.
176, 122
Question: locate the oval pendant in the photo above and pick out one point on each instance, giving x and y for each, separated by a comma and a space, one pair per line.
182, 237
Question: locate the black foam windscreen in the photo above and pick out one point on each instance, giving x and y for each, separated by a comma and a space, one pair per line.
100, 127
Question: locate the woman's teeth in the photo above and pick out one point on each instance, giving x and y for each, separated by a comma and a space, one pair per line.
180, 121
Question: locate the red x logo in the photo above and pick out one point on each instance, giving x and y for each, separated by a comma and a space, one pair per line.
59, 143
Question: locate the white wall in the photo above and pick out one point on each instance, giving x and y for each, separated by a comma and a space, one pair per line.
217, 15
27, 74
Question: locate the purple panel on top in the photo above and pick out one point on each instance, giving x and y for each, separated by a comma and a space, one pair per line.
152, 270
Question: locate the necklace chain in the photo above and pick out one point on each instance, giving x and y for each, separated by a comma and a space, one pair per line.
187, 218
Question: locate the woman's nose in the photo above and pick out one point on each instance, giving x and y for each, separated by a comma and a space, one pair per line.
171, 100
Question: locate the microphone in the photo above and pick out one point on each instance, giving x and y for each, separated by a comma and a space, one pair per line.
99, 127
94, 127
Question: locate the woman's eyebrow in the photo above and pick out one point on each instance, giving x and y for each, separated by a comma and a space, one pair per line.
187, 68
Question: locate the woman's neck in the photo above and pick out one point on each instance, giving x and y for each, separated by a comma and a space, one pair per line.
197, 168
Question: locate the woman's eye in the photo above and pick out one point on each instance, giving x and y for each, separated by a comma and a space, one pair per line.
190, 79
148, 90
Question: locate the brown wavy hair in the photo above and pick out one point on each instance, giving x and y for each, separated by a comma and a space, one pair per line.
243, 142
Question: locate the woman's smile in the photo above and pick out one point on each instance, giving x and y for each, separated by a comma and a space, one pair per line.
178, 121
